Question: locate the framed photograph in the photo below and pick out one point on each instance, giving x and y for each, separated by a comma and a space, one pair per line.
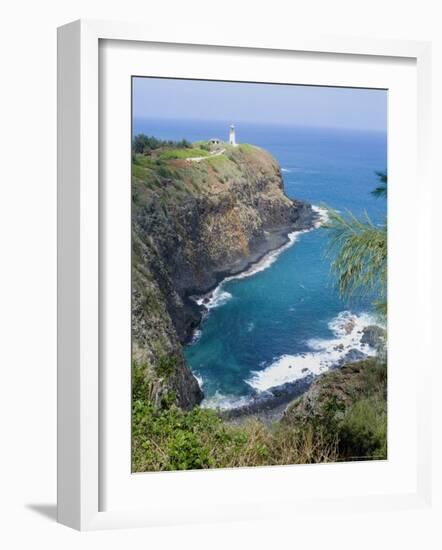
242, 297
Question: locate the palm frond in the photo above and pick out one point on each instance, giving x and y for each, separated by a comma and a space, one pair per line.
358, 250
381, 190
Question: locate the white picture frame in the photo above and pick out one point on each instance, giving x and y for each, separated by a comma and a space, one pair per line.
80, 397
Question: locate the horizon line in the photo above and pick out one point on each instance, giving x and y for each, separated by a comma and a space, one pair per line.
276, 123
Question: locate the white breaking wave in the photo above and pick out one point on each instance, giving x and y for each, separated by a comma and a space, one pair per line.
196, 336
224, 402
199, 379
324, 354
285, 170
323, 215
216, 298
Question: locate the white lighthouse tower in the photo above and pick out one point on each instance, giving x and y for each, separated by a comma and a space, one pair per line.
232, 139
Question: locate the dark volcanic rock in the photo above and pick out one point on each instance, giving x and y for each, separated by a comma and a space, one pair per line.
375, 337
271, 399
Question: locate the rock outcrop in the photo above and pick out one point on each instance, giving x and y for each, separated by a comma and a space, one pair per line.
376, 338
334, 392
193, 223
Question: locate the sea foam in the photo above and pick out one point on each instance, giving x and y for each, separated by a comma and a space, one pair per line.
323, 354
322, 215
225, 402
218, 297
199, 379
196, 336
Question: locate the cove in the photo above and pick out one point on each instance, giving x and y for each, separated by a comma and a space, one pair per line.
285, 320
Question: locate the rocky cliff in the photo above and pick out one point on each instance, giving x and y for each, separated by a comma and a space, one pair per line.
193, 223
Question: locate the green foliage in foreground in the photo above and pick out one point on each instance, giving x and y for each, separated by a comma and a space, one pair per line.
363, 431
172, 439
359, 252
381, 190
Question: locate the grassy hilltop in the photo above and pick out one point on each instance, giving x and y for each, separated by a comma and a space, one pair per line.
177, 169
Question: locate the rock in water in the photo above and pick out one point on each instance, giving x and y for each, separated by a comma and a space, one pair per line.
375, 337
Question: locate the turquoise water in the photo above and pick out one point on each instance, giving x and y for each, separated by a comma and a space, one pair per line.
287, 319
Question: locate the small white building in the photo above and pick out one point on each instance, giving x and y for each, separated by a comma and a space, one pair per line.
214, 141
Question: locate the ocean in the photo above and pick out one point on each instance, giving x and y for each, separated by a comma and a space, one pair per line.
284, 319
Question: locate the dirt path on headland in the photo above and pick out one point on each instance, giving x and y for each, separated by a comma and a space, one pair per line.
199, 159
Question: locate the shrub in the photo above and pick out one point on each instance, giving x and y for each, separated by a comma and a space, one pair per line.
363, 433
171, 439
138, 381
204, 145
143, 144
166, 366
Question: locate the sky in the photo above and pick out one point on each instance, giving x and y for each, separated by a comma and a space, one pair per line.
325, 107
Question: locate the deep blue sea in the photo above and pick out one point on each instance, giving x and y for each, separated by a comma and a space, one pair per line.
285, 319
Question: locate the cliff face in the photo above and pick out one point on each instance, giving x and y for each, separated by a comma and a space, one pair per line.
193, 223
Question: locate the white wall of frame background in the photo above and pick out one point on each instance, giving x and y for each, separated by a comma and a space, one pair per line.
28, 276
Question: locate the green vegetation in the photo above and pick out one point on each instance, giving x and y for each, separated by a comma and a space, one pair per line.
350, 406
155, 174
352, 427
360, 262
246, 148
166, 366
202, 145
187, 153
171, 439
359, 252
363, 432
381, 189
143, 144
157, 167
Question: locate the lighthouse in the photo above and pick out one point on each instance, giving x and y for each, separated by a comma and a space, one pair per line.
232, 139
